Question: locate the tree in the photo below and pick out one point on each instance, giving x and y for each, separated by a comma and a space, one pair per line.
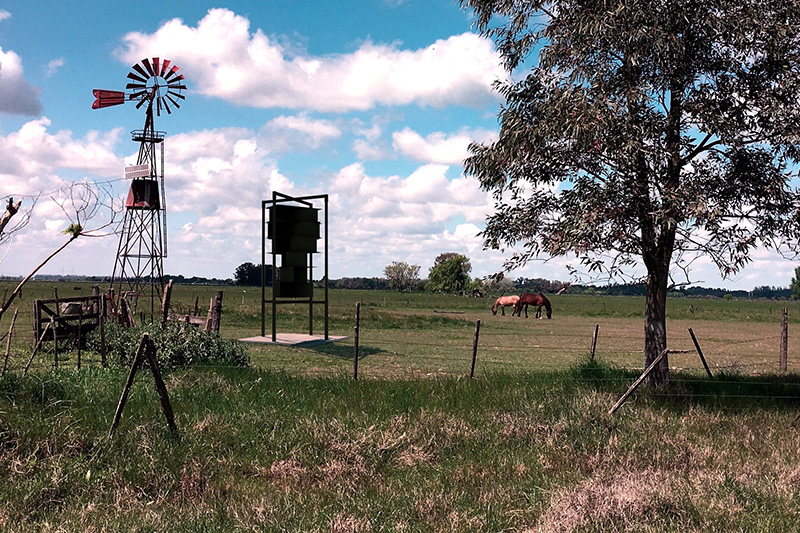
82, 202
449, 273
644, 131
401, 275
795, 284
249, 274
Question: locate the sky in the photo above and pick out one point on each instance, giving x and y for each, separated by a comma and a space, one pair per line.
372, 102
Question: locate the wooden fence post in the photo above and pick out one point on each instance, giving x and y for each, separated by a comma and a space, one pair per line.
8, 343
165, 302
700, 353
145, 346
161, 388
36, 348
638, 381
80, 334
784, 339
128, 383
475, 348
215, 313
55, 340
594, 340
355, 340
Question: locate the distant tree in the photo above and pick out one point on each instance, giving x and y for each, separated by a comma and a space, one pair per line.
795, 285
401, 275
249, 274
449, 273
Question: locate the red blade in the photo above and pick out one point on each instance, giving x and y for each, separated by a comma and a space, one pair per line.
173, 72
155, 66
140, 70
146, 63
134, 77
164, 65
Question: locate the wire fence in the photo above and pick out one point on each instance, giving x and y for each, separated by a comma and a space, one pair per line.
737, 355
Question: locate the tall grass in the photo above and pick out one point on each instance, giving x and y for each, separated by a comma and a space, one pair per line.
263, 451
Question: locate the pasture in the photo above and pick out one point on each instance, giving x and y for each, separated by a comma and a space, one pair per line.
295, 444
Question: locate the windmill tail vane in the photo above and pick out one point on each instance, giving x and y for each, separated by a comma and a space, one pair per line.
151, 81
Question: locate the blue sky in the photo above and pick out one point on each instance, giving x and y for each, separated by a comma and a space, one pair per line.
372, 102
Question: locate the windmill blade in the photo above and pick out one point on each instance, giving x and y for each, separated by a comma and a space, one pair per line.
164, 66
132, 76
138, 95
172, 73
155, 66
173, 93
168, 97
140, 103
158, 107
136, 86
146, 63
163, 100
141, 71
179, 87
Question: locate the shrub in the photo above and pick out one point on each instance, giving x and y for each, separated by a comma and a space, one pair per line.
177, 344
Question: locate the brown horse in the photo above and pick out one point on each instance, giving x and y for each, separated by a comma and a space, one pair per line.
533, 299
503, 302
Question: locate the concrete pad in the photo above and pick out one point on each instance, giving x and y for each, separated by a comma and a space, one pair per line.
293, 339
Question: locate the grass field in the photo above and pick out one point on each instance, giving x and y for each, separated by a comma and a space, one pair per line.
295, 444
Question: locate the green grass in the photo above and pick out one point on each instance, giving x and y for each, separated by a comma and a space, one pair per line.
264, 451
295, 444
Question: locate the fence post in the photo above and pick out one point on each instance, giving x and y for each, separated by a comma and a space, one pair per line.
594, 340
355, 340
55, 341
80, 334
784, 338
8, 343
475, 348
638, 381
700, 352
128, 383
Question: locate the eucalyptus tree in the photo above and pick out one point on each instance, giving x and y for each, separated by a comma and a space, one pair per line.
401, 275
643, 132
449, 273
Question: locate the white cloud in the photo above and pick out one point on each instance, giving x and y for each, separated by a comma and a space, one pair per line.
17, 95
437, 147
222, 58
4, 15
299, 132
53, 65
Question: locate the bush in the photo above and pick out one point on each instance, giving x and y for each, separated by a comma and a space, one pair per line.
177, 344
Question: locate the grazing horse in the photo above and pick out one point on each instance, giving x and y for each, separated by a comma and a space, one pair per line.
503, 302
533, 299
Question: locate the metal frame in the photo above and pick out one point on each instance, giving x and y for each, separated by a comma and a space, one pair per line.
278, 198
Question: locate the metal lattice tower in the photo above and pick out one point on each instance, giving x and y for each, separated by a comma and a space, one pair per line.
139, 266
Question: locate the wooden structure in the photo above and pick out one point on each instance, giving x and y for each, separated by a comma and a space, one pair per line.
72, 317
210, 322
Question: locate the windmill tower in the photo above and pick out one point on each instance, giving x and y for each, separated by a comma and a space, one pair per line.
139, 266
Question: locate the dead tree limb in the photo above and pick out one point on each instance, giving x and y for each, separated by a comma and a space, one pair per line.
11, 210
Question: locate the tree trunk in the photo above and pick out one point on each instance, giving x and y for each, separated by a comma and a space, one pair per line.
655, 322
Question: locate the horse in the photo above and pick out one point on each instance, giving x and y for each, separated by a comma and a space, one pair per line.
533, 299
503, 302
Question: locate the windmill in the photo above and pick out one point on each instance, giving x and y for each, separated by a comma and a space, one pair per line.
139, 267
